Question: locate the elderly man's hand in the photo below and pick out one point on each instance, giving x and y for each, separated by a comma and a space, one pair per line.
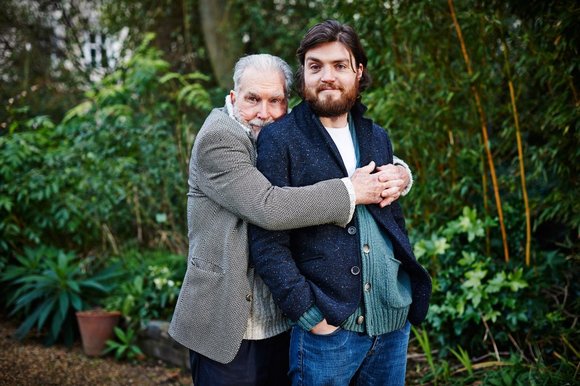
396, 179
367, 186
382, 185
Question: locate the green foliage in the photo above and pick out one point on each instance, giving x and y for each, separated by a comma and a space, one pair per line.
423, 340
148, 288
47, 286
422, 94
468, 287
486, 305
522, 374
463, 358
125, 345
112, 170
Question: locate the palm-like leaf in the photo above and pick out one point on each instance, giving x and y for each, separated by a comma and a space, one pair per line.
48, 289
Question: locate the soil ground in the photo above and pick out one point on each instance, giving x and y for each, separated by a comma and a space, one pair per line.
31, 363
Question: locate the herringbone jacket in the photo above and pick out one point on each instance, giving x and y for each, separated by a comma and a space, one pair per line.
226, 192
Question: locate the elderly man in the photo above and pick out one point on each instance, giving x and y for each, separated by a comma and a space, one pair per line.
351, 291
225, 314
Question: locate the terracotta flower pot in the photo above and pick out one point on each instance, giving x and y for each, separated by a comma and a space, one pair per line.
96, 328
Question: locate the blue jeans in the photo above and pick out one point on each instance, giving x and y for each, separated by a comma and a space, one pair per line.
345, 357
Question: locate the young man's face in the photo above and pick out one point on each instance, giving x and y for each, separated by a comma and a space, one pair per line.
260, 99
331, 79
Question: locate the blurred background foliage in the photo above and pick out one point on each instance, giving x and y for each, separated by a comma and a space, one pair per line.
101, 100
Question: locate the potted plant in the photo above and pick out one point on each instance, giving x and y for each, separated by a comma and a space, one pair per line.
96, 327
47, 286
97, 324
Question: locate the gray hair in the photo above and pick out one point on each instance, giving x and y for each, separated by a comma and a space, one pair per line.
263, 63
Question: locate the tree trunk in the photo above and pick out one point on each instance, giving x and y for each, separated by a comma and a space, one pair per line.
223, 46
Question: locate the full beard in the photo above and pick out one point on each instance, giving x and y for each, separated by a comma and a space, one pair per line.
327, 107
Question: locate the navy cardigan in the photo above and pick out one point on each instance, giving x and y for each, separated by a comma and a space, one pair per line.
321, 264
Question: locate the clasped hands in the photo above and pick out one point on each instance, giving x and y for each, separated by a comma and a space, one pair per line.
379, 185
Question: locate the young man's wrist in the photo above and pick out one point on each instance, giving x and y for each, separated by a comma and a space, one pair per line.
310, 318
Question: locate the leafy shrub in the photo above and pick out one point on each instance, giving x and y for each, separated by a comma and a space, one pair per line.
484, 305
113, 171
469, 289
149, 286
48, 285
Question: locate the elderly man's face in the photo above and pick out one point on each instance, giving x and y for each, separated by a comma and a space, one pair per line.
260, 99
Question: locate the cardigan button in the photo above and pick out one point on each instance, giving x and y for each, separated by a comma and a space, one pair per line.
366, 248
351, 230
355, 270
367, 287
249, 297
360, 319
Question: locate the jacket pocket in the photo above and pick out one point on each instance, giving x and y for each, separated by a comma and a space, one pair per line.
307, 258
399, 285
205, 265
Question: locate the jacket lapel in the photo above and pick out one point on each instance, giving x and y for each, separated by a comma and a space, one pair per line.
363, 130
312, 127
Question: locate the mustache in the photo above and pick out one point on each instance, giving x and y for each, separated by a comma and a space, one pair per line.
257, 122
324, 87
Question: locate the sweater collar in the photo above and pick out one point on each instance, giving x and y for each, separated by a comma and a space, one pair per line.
230, 110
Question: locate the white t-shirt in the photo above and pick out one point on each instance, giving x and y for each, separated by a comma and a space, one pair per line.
343, 141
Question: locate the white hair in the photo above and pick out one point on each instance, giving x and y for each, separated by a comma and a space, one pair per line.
263, 63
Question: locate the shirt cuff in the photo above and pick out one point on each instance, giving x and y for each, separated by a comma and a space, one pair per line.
310, 318
400, 162
351, 194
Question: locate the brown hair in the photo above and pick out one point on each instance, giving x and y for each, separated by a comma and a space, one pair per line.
327, 32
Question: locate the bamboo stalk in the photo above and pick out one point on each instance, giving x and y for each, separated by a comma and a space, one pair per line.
520, 155
482, 120
485, 206
522, 174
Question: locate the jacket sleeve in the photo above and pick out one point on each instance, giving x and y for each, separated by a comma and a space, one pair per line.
226, 174
270, 250
400, 162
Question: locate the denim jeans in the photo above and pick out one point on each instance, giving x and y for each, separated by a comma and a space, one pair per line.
345, 357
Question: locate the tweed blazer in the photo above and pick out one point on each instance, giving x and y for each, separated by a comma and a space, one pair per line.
226, 191
321, 265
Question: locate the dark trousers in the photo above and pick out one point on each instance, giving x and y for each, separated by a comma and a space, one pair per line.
258, 363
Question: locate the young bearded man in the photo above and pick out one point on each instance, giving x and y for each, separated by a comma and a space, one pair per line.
351, 291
